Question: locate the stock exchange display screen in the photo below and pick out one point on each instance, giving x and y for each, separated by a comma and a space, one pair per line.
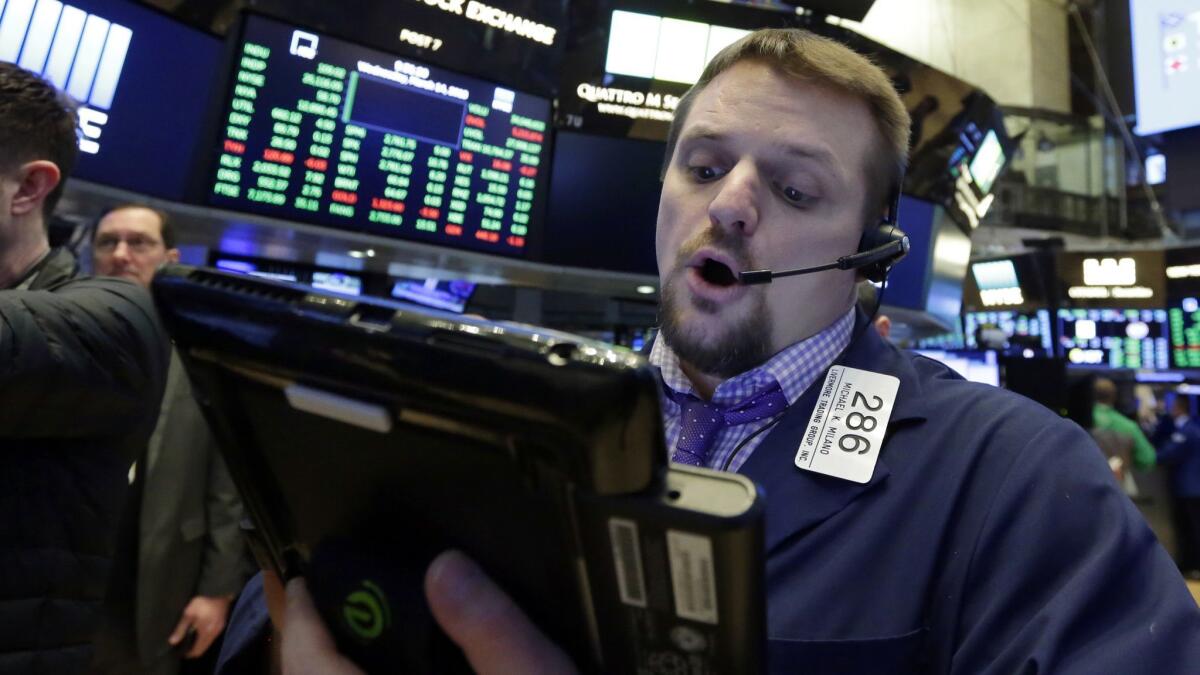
324, 131
1184, 320
1115, 338
1027, 329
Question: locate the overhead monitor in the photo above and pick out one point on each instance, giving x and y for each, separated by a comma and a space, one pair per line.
141, 79
1113, 278
1022, 330
1184, 319
1115, 338
625, 72
976, 366
585, 225
958, 166
988, 161
451, 296
320, 130
1166, 64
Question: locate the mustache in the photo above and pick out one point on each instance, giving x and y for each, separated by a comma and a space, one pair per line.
718, 238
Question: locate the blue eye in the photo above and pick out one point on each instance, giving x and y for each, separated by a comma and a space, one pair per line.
795, 196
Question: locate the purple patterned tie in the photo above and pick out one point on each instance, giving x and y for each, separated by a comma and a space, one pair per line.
701, 421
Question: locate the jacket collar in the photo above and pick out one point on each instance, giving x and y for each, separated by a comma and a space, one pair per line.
58, 266
798, 499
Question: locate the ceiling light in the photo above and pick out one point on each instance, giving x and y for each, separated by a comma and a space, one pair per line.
645, 290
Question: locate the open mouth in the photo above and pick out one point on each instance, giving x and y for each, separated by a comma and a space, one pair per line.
717, 273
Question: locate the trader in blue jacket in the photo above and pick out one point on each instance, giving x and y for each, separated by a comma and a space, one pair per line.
1178, 441
916, 522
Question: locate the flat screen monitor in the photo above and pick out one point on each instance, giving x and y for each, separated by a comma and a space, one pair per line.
321, 130
981, 366
1184, 320
604, 194
1166, 64
255, 270
908, 280
1115, 338
337, 282
1021, 329
997, 283
987, 162
451, 296
143, 82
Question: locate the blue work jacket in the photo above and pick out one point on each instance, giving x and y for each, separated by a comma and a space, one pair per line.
1180, 450
992, 539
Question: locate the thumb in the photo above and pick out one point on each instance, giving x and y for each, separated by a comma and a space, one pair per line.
180, 630
493, 632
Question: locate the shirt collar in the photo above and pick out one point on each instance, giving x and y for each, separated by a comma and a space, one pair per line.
794, 368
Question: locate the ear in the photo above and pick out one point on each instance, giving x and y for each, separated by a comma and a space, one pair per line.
37, 180
172, 255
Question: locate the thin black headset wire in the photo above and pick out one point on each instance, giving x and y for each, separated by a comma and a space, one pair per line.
738, 448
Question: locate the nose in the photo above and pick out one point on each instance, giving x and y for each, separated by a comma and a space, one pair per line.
121, 251
735, 207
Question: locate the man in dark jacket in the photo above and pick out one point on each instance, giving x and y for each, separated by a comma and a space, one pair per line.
1178, 440
82, 367
191, 559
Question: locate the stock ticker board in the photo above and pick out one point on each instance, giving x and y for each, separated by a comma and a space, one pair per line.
323, 131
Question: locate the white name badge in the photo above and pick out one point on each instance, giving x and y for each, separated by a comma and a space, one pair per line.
846, 429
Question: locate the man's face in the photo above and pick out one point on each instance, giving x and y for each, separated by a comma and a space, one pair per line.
768, 173
129, 244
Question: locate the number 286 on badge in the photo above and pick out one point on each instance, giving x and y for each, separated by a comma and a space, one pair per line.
846, 430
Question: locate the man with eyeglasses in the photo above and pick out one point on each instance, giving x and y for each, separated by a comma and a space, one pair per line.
133, 241
82, 366
190, 557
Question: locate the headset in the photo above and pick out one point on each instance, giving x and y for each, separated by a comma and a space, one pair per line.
880, 248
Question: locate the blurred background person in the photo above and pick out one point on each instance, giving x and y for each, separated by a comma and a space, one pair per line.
82, 363
1178, 439
190, 556
1121, 439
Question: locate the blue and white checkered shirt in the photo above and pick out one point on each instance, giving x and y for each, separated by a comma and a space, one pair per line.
795, 368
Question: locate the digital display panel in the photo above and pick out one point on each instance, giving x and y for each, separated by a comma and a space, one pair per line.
337, 282
244, 267
1166, 64
324, 131
1031, 328
980, 367
451, 296
1185, 333
1115, 338
624, 74
141, 79
988, 161
587, 171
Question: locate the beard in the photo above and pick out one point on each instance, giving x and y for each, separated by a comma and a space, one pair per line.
743, 345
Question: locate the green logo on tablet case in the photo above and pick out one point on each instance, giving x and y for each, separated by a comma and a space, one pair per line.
366, 611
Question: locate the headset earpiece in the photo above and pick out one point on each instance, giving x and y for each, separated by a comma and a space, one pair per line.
887, 239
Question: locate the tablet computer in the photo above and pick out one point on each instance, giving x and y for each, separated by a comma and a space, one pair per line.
366, 436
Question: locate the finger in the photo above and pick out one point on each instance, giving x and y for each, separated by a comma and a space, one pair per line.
204, 639
180, 630
307, 645
494, 633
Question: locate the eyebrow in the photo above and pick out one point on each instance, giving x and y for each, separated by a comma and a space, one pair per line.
821, 155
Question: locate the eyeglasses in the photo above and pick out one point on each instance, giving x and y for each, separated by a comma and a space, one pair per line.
137, 244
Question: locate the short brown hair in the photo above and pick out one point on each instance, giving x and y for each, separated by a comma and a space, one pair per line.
166, 229
36, 123
807, 56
